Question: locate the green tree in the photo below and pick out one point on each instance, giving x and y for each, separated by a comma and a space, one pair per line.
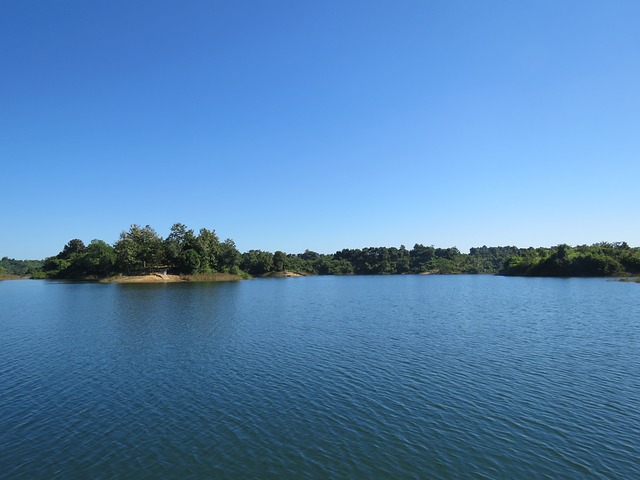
257, 262
403, 260
421, 258
99, 259
55, 267
189, 261
279, 261
139, 249
208, 247
12, 266
229, 258
179, 241
73, 247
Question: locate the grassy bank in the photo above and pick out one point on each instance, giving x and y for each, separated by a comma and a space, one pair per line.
8, 276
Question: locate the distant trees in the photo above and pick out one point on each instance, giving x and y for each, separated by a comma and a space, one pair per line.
180, 241
141, 250
229, 257
99, 259
208, 247
182, 252
279, 261
187, 253
11, 266
73, 247
422, 258
77, 261
600, 259
188, 262
257, 262
392, 260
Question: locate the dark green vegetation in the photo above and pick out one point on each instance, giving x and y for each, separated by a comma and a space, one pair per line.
601, 259
140, 250
19, 268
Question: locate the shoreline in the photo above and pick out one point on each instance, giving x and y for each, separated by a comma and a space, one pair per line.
161, 278
285, 274
9, 276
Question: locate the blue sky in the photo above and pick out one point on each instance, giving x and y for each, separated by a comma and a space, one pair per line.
322, 125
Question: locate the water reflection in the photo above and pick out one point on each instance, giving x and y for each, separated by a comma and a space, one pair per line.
408, 376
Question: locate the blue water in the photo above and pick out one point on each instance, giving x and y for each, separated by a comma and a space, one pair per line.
321, 377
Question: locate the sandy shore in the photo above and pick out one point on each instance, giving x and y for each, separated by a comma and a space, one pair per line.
160, 278
153, 278
8, 276
282, 275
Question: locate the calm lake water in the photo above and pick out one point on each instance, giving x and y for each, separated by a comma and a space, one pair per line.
321, 377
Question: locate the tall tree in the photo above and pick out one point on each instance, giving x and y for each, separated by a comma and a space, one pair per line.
229, 259
180, 240
74, 246
208, 247
279, 261
138, 249
99, 259
257, 262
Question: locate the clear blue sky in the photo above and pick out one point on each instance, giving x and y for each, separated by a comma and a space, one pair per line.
322, 125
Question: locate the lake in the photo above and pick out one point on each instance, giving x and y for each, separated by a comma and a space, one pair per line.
466, 376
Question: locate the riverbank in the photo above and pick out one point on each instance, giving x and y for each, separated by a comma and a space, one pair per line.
8, 276
285, 274
630, 279
161, 278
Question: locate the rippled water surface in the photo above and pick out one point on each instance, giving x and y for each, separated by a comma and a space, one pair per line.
321, 377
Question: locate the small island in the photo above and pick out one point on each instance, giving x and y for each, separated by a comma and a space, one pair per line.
142, 256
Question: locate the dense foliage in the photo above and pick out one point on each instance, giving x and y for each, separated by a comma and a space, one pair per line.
11, 266
601, 259
140, 250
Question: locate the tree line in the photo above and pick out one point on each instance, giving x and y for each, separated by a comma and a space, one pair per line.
141, 250
11, 266
600, 259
